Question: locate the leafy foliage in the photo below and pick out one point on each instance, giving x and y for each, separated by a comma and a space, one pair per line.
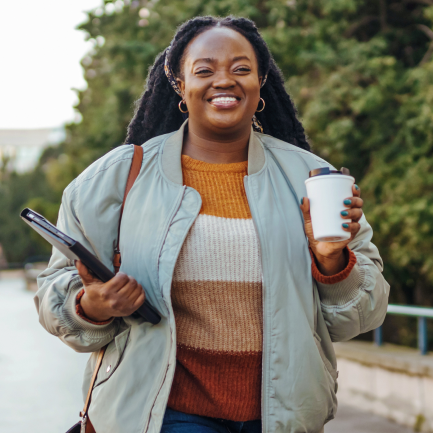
360, 72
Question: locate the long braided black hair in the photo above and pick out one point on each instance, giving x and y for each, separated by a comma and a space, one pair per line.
157, 110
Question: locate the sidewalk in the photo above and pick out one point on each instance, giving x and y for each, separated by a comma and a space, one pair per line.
350, 420
40, 379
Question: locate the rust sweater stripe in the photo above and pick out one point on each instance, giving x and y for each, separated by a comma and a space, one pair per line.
223, 383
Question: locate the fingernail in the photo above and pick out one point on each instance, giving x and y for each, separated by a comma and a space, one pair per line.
356, 187
302, 200
344, 213
346, 226
347, 201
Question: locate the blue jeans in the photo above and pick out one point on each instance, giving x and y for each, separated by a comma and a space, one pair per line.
179, 422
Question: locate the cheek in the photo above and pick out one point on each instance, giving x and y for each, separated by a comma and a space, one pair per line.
194, 91
254, 99
252, 89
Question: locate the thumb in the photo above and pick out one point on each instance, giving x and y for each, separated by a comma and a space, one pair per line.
84, 273
305, 208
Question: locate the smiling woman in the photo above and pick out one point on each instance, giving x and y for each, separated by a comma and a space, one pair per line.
214, 237
205, 49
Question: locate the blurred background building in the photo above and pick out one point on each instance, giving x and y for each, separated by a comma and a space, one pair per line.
20, 149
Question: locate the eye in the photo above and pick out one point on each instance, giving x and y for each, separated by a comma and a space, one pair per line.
204, 71
243, 69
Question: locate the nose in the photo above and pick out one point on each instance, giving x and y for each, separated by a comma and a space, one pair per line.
223, 80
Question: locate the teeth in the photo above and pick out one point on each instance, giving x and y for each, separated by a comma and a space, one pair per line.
224, 99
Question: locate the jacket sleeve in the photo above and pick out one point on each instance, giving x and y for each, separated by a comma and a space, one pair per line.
358, 303
59, 285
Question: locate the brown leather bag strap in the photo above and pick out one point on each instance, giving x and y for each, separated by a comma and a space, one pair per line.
134, 171
101, 353
133, 174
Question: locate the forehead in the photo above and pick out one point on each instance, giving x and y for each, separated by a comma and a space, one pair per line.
221, 44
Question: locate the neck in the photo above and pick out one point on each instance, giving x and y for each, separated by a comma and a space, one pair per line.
216, 150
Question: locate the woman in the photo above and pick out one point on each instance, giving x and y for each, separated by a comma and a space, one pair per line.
214, 233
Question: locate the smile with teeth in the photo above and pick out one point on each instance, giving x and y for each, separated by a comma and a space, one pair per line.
224, 100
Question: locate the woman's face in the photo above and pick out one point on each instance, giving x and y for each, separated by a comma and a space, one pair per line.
221, 83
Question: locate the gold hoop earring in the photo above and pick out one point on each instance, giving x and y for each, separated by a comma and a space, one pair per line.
259, 111
180, 107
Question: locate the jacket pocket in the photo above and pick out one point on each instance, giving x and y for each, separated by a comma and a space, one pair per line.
112, 356
332, 378
331, 370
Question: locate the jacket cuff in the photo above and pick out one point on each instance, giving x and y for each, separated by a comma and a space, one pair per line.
74, 321
79, 310
345, 291
337, 278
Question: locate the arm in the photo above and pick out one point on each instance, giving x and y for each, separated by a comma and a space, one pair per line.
358, 303
352, 290
59, 285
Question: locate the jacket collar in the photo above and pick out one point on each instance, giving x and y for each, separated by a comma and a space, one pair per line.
172, 151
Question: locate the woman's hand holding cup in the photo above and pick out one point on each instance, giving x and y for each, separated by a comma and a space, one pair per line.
330, 257
119, 297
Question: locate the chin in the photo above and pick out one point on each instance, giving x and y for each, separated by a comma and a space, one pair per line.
228, 121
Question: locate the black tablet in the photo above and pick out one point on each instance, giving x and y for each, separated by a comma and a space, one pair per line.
73, 250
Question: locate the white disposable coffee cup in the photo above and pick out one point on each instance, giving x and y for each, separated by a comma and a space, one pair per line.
327, 189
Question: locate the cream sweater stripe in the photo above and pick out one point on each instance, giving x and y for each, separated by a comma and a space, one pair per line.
220, 249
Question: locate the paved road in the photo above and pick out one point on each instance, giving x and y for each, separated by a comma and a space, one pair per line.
350, 420
40, 378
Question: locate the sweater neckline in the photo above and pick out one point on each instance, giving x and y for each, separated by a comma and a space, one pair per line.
189, 163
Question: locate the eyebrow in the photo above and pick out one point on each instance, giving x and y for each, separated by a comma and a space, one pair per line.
212, 60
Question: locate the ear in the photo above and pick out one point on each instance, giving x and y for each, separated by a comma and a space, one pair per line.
260, 81
181, 84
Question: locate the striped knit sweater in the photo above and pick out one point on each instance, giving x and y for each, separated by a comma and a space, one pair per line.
217, 300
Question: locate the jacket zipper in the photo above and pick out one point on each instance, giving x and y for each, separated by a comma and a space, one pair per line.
169, 350
168, 310
264, 352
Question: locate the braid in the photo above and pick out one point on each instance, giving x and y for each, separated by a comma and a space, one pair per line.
157, 110
279, 118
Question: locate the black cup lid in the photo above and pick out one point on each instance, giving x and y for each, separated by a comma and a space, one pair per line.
327, 170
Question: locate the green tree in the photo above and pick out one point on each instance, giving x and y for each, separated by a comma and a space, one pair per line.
360, 72
16, 192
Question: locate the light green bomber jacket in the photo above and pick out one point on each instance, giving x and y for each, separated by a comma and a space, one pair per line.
301, 317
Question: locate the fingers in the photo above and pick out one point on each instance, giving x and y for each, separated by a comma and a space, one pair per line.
119, 297
353, 202
353, 228
128, 298
354, 205
127, 291
353, 214
139, 300
353, 211
305, 208
356, 191
136, 294
84, 273
117, 282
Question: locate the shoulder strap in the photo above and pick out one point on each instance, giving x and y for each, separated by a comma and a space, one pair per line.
133, 174
134, 171
101, 353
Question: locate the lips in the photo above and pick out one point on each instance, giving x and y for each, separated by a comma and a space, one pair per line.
224, 101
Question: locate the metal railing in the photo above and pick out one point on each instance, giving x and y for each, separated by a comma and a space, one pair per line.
421, 313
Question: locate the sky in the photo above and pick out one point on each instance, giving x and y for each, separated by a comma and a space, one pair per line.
40, 53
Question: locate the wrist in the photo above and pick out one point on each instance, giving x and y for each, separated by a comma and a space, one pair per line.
92, 313
332, 264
